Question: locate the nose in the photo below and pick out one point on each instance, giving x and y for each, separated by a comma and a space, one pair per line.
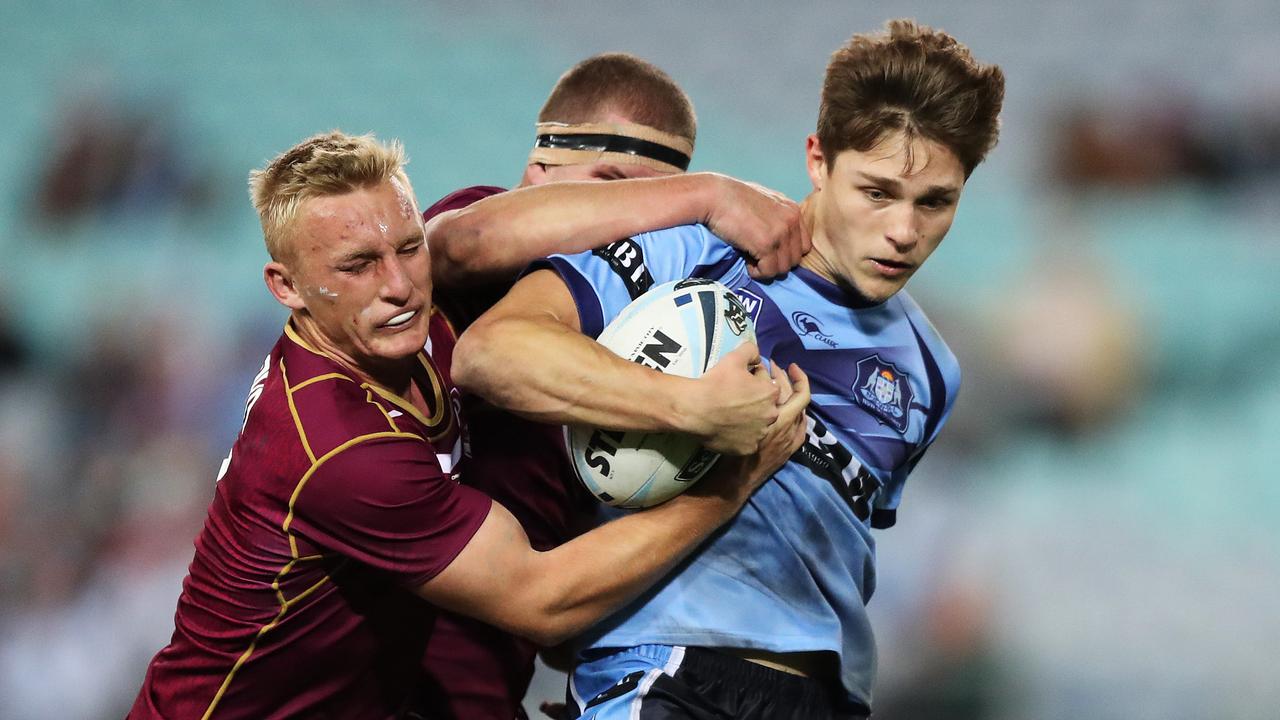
397, 285
903, 230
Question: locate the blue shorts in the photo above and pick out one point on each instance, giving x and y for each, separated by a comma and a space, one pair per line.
665, 682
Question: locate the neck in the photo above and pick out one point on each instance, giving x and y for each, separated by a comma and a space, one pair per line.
394, 375
814, 260
817, 263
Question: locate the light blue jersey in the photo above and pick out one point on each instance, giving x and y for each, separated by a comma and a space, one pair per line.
794, 570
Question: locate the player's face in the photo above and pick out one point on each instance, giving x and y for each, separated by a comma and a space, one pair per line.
363, 273
879, 214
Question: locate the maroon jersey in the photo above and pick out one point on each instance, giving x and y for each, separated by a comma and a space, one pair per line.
337, 500
478, 671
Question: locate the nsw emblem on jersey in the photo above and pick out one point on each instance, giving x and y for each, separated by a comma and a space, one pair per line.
883, 390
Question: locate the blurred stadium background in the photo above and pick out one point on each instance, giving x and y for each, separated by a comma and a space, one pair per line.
1097, 535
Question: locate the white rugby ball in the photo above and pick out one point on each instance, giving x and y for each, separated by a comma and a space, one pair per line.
683, 328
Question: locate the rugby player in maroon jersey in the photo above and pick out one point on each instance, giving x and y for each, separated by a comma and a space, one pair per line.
611, 117
340, 520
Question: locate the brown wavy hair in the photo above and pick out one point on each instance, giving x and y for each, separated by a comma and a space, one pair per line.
914, 79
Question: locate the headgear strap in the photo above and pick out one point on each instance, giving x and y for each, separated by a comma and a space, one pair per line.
628, 143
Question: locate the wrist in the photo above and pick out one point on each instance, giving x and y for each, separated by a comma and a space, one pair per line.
716, 497
707, 192
685, 403
726, 485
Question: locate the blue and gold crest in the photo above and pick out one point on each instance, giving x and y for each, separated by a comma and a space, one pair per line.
884, 391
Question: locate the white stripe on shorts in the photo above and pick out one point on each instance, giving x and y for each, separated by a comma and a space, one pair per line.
641, 691
669, 669
673, 662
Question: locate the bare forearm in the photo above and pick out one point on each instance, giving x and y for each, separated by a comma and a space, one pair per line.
526, 355
548, 372
583, 581
553, 595
497, 236
577, 584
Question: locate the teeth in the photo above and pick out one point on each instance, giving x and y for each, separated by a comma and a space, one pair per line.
401, 319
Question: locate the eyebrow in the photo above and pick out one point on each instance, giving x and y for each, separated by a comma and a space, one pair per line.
367, 254
358, 255
896, 186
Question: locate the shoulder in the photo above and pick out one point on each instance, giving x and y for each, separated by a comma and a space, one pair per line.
385, 480
329, 407
384, 500
461, 198
382, 463
673, 253
694, 237
935, 349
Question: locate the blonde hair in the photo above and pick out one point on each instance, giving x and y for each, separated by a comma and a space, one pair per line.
331, 163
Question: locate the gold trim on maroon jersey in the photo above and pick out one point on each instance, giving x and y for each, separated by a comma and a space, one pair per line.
439, 424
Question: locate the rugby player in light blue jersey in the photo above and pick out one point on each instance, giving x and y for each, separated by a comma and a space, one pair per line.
768, 619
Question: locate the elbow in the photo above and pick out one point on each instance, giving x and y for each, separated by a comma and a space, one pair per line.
549, 626
549, 613
546, 635
554, 637
482, 363
458, 249
468, 369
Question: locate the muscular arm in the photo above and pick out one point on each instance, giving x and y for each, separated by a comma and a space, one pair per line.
550, 596
494, 238
527, 355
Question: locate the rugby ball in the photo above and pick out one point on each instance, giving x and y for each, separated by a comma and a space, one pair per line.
683, 328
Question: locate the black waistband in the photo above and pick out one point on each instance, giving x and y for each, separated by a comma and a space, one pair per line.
803, 690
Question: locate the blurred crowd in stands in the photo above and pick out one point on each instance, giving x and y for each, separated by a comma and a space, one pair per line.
108, 455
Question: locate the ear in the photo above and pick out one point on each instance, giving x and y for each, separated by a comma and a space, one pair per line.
534, 174
815, 161
280, 282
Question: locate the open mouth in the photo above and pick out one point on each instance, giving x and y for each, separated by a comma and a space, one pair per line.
892, 267
400, 320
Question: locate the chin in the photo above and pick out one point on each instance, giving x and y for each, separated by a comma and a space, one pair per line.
884, 294
869, 293
402, 347
878, 289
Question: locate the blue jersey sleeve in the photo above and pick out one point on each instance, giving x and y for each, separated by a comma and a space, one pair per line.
606, 280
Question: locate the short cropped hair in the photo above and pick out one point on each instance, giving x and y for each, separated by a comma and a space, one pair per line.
331, 163
914, 79
624, 84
